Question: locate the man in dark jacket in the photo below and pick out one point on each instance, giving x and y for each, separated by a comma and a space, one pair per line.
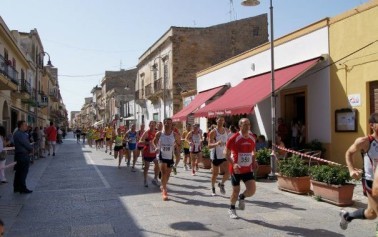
22, 151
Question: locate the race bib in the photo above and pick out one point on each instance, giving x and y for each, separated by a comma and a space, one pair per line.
244, 159
166, 148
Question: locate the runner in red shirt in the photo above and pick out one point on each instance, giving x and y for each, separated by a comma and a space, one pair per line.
242, 164
51, 134
149, 153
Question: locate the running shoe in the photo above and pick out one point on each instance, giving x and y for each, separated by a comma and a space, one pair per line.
193, 172
197, 167
133, 169
155, 182
128, 163
174, 170
232, 213
343, 222
145, 184
221, 187
186, 168
213, 192
106, 151
241, 204
110, 153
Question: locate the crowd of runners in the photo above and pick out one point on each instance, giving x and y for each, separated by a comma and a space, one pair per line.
231, 151
161, 143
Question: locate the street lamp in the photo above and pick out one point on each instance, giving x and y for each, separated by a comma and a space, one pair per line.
165, 77
39, 66
272, 174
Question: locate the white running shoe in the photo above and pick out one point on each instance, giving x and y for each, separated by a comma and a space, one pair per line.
241, 204
343, 222
213, 192
186, 168
232, 213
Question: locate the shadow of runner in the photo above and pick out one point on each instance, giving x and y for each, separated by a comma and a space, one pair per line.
195, 202
295, 231
192, 226
275, 205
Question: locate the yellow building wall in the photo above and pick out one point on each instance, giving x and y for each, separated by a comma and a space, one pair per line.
353, 39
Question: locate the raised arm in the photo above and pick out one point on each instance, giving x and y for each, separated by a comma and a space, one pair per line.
361, 144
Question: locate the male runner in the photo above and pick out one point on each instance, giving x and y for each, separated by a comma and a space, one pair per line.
149, 152
186, 146
367, 147
242, 164
109, 133
218, 138
132, 138
166, 141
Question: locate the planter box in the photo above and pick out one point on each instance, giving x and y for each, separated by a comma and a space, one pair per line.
339, 195
263, 171
205, 163
298, 185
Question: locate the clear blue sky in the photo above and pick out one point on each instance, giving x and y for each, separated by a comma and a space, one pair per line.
87, 37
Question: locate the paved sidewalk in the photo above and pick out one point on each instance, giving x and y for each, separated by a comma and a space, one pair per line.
81, 192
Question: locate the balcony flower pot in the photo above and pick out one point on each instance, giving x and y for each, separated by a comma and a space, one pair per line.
263, 159
330, 184
293, 176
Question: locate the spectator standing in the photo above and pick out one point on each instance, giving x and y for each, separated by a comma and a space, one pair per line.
43, 141
22, 151
51, 134
3, 155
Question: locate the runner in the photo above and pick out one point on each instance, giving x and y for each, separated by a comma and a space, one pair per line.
149, 153
109, 133
140, 145
166, 141
218, 138
367, 147
194, 138
132, 138
242, 146
177, 151
118, 147
186, 146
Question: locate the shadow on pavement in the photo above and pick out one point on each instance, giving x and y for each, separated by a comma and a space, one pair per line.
296, 231
192, 226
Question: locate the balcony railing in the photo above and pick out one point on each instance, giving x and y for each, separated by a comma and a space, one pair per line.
25, 86
8, 70
158, 86
148, 90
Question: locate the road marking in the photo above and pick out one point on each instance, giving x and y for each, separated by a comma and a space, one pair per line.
88, 158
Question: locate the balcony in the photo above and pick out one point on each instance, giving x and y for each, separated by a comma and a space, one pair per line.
158, 86
24, 90
54, 96
148, 90
8, 75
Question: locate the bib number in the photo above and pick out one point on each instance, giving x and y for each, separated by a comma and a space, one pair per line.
244, 159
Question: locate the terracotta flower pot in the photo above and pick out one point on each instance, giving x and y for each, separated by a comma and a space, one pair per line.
263, 171
205, 163
339, 195
298, 185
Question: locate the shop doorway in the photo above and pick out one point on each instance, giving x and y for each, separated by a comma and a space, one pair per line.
293, 109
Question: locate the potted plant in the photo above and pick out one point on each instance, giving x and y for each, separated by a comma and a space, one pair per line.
263, 159
206, 162
330, 183
293, 175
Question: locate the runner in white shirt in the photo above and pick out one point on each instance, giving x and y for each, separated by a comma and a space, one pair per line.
194, 138
165, 141
218, 138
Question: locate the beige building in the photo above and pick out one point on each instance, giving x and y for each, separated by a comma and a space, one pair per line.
169, 66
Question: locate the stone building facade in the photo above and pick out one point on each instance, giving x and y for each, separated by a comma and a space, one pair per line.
170, 65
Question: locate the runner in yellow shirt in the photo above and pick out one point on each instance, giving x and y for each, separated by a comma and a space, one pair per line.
109, 132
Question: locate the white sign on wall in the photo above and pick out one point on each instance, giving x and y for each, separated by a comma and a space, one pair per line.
354, 100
